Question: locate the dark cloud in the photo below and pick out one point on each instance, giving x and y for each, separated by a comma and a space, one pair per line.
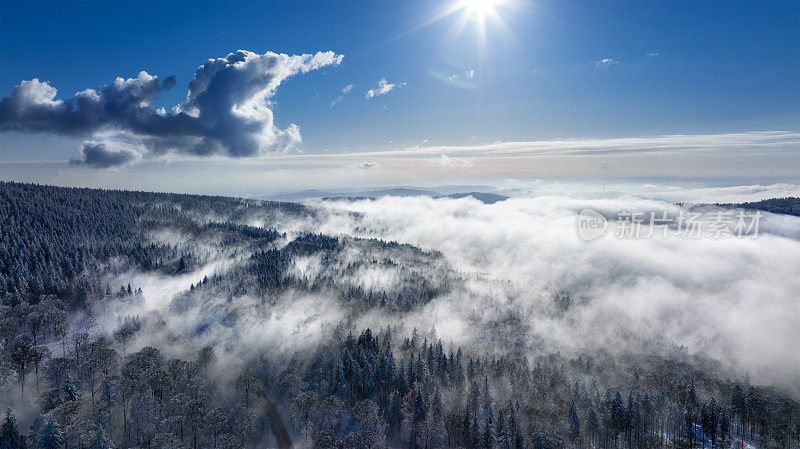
123, 104
226, 112
106, 155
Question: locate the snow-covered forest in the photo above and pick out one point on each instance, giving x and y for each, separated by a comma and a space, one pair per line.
149, 320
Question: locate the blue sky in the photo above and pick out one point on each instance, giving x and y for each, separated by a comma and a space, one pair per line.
670, 68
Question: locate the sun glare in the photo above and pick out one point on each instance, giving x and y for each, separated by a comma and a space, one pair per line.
480, 14
479, 8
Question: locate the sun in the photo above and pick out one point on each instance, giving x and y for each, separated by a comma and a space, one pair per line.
479, 8
480, 14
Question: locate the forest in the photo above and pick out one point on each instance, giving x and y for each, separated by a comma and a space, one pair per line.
157, 320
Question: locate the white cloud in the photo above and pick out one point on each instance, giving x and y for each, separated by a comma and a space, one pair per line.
384, 87
38, 93
345, 90
605, 62
446, 161
671, 143
227, 111
463, 81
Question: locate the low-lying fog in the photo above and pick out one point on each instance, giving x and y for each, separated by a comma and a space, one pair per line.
734, 299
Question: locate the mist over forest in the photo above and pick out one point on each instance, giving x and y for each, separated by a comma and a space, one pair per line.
156, 320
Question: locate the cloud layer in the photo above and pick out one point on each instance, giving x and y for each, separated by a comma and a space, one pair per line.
731, 299
226, 111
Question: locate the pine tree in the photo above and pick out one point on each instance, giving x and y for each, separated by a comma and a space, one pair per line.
182, 265
69, 390
101, 442
51, 436
574, 424
592, 422
489, 436
724, 425
9, 433
503, 436
692, 398
420, 408
474, 432
514, 428
713, 419
21, 355
539, 441
395, 414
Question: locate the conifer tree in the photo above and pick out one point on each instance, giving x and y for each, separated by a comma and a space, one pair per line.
51, 436
9, 433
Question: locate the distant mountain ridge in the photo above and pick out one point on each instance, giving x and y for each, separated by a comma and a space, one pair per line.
484, 197
786, 206
480, 193
399, 191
